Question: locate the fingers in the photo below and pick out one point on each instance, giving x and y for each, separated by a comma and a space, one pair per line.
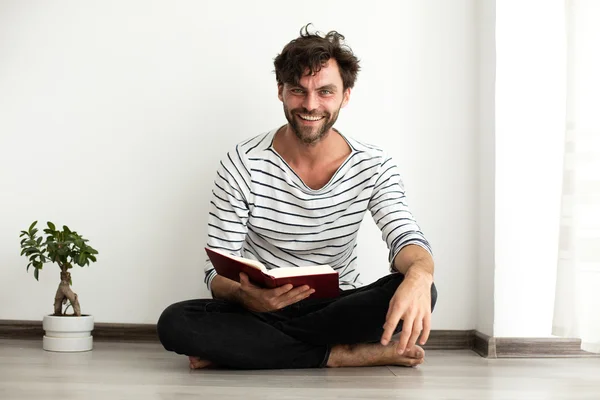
245, 282
281, 290
301, 295
426, 328
391, 322
276, 298
295, 295
243, 279
416, 331
407, 328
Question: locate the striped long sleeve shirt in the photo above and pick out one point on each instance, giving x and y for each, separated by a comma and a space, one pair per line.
261, 209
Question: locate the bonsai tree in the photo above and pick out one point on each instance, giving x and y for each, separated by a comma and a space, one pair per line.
63, 247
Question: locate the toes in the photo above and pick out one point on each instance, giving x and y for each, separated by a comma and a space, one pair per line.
196, 363
413, 362
415, 352
199, 364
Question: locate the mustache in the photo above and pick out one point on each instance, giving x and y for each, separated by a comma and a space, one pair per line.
310, 113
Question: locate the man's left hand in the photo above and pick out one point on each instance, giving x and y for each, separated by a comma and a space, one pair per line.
412, 304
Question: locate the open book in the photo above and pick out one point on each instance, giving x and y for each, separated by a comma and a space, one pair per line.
322, 278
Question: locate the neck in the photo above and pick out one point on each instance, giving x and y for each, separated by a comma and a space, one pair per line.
297, 152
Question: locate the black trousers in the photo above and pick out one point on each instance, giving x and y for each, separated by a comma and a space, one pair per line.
298, 336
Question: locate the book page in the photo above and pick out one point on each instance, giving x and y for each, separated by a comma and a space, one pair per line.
300, 271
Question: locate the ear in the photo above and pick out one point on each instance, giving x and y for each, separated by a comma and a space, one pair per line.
346, 97
280, 92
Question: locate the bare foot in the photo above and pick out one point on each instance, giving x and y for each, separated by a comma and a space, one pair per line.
372, 354
196, 363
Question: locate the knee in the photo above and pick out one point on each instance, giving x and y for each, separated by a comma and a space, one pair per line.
168, 324
394, 280
433, 296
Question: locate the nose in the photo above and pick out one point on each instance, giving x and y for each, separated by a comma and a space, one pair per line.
310, 101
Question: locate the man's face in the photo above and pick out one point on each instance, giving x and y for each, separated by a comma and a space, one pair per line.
312, 107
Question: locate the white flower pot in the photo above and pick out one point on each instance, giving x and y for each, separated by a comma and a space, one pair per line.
68, 334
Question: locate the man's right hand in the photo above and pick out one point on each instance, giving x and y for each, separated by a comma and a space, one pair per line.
258, 299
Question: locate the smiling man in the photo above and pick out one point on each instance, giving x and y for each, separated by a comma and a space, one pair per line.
296, 196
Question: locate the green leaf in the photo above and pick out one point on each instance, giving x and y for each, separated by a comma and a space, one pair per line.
39, 241
33, 257
32, 225
66, 229
91, 251
44, 259
93, 258
36, 274
28, 265
51, 226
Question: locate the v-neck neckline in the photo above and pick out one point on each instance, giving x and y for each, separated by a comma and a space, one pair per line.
289, 167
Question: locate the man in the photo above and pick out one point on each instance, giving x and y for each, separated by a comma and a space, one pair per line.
295, 196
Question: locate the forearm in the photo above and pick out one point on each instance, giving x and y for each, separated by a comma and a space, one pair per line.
414, 261
225, 289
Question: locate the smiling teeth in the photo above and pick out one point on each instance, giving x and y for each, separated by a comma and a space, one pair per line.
306, 117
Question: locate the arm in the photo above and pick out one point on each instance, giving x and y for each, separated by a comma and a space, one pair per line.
414, 261
412, 301
410, 254
399, 229
227, 218
227, 230
225, 289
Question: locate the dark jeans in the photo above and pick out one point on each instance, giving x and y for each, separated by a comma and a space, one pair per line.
298, 336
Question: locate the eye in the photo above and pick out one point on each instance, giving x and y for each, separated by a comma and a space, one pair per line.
326, 92
297, 91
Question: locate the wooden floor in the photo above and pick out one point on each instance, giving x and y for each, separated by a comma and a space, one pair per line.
145, 371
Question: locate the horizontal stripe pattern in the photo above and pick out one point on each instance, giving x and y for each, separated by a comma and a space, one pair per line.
261, 209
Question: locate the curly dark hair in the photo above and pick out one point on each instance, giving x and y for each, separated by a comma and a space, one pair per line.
310, 51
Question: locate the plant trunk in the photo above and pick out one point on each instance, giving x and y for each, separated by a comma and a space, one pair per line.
63, 293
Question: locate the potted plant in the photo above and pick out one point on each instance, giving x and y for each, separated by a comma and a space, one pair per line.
66, 248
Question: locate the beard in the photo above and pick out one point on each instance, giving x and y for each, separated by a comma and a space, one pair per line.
310, 134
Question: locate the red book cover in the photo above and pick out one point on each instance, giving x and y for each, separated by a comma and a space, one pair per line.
322, 278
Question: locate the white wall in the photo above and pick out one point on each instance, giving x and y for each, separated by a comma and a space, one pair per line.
114, 114
529, 124
486, 18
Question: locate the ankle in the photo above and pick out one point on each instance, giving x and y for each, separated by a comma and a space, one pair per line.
337, 354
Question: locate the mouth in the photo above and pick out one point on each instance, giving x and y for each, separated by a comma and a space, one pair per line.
310, 118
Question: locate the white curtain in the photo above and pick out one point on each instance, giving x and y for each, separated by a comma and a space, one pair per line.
577, 307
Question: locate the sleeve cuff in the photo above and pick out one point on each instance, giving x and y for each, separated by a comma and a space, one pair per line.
210, 275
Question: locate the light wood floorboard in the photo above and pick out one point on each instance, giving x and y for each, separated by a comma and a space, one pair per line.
145, 371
